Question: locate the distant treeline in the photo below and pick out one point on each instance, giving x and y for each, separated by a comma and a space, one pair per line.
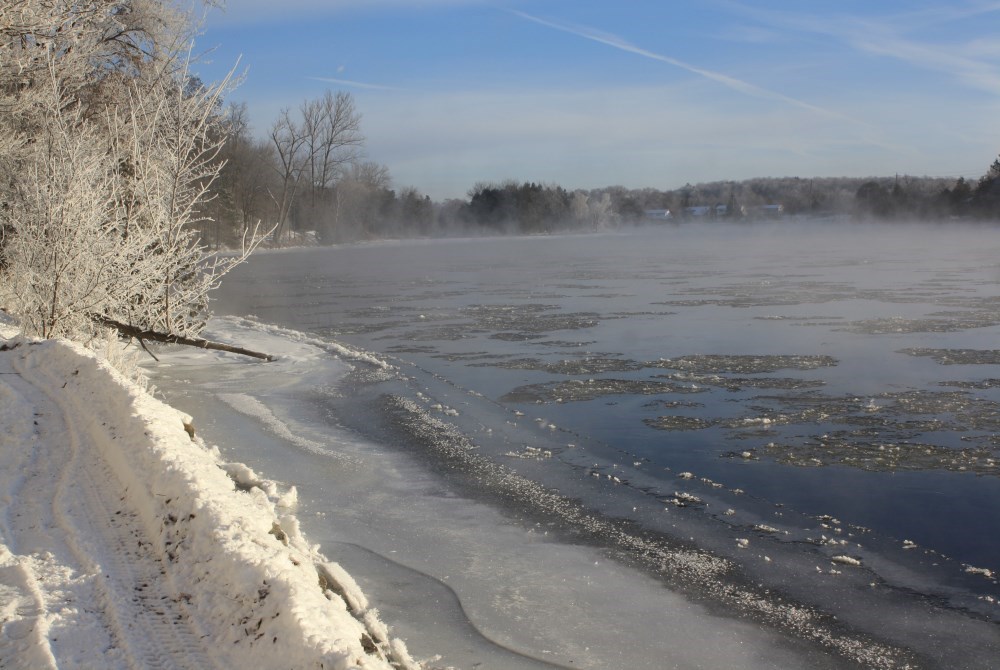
896, 197
888, 199
309, 179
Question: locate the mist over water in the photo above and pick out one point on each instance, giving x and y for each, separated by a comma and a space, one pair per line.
816, 403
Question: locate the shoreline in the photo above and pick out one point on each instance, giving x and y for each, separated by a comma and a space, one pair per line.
255, 392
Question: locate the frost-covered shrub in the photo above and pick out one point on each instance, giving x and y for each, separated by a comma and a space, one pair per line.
108, 154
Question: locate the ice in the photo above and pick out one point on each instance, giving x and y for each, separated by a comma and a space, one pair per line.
385, 518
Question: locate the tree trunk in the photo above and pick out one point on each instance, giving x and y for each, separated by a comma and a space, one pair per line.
167, 338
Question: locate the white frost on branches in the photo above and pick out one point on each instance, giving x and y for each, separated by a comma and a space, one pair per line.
108, 157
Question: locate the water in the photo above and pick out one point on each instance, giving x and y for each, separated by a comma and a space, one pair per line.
737, 413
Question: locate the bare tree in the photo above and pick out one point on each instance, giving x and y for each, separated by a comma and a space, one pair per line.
313, 153
246, 178
289, 141
333, 129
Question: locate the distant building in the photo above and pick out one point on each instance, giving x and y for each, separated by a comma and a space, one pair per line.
699, 210
721, 211
765, 211
657, 215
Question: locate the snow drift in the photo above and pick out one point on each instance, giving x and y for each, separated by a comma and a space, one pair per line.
119, 520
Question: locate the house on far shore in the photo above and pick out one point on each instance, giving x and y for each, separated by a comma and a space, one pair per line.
720, 211
765, 211
699, 210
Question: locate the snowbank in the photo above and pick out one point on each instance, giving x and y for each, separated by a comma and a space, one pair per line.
120, 523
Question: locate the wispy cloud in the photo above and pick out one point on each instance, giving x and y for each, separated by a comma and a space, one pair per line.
888, 37
973, 72
733, 83
357, 84
935, 15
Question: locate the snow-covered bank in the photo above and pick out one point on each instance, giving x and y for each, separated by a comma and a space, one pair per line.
125, 542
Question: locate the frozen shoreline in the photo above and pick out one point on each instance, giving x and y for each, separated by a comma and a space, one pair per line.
463, 582
124, 540
497, 573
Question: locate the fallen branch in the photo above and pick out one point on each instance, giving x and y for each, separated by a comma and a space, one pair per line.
167, 338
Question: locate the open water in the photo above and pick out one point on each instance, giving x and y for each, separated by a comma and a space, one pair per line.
795, 425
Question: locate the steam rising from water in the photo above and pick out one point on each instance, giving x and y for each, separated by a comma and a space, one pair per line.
824, 391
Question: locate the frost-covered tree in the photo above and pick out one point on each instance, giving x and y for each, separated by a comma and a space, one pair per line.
59, 238
359, 199
602, 213
579, 207
107, 161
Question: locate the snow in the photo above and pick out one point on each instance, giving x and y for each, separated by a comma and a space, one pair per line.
125, 541
846, 560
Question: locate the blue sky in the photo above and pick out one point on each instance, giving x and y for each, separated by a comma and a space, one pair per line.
642, 93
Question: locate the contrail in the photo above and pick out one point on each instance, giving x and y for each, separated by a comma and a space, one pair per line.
357, 84
730, 82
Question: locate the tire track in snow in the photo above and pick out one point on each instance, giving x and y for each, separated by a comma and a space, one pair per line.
150, 617
46, 592
24, 643
144, 616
